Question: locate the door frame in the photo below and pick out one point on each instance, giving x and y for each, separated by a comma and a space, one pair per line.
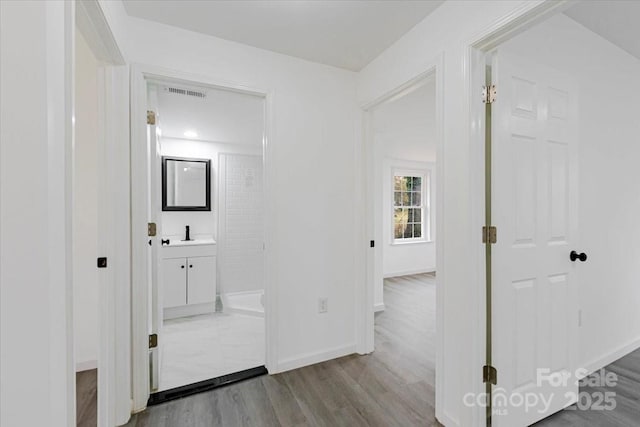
139, 274
113, 364
368, 258
476, 49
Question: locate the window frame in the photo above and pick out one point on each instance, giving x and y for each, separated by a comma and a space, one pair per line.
425, 206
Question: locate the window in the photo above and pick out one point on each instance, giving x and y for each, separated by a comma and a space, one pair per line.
409, 207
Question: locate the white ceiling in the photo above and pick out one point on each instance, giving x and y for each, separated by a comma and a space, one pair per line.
346, 34
615, 20
222, 116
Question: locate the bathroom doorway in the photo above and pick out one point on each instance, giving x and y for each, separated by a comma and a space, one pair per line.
206, 201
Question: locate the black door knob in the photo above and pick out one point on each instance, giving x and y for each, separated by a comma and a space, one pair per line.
575, 255
182, 266
165, 242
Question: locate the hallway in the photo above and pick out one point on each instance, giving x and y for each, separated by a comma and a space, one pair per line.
394, 386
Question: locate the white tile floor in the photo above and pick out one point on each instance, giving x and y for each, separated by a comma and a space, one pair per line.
201, 347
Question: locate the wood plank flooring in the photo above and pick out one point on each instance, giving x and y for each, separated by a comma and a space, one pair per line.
627, 399
87, 398
394, 386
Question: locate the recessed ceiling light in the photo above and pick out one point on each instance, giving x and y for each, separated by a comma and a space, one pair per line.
191, 134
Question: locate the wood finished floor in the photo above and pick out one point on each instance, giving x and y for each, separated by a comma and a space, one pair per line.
627, 399
87, 398
394, 386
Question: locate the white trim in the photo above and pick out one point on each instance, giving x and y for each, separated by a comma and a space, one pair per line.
169, 313
425, 198
227, 306
409, 272
366, 258
378, 307
113, 364
95, 29
140, 73
315, 357
86, 365
611, 357
140, 375
60, 90
411, 242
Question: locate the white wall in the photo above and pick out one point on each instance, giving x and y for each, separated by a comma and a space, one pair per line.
36, 329
609, 206
85, 208
202, 224
241, 225
315, 129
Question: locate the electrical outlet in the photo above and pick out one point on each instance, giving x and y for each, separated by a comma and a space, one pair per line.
323, 305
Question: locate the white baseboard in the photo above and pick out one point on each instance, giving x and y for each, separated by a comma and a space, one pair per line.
409, 272
378, 307
447, 420
611, 357
246, 312
313, 358
86, 365
188, 310
229, 303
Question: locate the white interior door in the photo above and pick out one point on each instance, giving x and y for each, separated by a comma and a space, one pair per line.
534, 207
154, 211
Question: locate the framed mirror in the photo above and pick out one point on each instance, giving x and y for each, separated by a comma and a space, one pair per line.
186, 184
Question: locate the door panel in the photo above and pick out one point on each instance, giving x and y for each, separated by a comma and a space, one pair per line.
201, 280
154, 208
174, 279
534, 207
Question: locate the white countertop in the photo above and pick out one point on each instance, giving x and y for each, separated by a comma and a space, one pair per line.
194, 242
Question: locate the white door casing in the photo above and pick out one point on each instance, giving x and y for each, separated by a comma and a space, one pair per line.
153, 212
534, 207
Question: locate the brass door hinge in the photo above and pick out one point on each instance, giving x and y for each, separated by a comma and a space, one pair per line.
153, 340
151, 229
151, 117
489, 374
489, 94
489, 234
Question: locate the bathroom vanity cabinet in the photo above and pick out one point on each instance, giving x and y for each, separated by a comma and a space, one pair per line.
188, 277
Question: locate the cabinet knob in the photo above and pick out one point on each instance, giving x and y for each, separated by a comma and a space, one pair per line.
182, 266
190, 266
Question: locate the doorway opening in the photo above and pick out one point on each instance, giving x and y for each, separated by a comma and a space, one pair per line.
403, 147
558, 146
206, 199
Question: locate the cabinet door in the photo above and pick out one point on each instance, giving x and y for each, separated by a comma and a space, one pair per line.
174, 282
201, 285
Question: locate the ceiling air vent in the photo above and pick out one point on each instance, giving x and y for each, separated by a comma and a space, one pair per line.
187, 92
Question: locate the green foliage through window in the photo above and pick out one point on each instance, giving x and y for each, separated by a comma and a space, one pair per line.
408, 209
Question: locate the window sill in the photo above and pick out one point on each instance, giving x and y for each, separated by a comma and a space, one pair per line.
410, 242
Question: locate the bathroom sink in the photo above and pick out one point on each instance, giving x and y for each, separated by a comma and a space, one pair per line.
195, 242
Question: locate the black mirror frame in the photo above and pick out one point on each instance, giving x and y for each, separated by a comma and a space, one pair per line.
207, 162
